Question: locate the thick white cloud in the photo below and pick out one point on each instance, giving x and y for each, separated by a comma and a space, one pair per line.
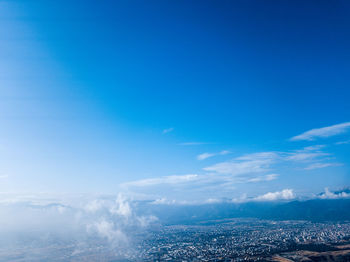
285, 194
323, 132
83, 224
334, 195
107, 229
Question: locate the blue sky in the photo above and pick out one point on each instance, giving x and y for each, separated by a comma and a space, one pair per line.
174, 99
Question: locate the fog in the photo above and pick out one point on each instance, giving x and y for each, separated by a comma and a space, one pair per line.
40, 229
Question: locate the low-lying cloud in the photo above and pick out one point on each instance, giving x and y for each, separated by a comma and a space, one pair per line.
285, 194
85, 225
327, 194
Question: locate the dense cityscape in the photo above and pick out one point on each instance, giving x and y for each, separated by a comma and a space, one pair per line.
241, 240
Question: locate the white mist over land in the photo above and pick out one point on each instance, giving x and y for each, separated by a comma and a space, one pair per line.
84, 224
42, 227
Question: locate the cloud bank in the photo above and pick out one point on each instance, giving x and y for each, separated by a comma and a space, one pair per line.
334, 195
78, 228
285, 194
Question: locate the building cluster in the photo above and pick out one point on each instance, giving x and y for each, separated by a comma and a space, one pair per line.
237, 240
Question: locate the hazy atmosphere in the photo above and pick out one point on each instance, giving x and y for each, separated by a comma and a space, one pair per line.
118, 115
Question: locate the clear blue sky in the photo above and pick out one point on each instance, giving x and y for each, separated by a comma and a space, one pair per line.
179, 99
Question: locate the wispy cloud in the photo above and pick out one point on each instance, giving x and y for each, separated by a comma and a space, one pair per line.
205, 156
247, 164
225, 176
165, 201
314, 147
208, 155
189, 185
343, 142
285, 194
321, 165
268, 177
323, 132
168, 130
305, 156
172, 180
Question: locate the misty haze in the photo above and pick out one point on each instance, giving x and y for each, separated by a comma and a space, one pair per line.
175, 130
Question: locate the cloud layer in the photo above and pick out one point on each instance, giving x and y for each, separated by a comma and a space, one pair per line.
88, 226
286, 194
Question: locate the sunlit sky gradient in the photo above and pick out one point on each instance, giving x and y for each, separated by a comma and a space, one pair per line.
174, 99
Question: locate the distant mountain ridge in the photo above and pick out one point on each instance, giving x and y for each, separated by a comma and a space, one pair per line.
316, 210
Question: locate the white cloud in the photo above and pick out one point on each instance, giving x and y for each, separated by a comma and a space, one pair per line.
227, 175
165, 201
106, 229
176, 179
208, 155
259, 156
247, 164
268, 177
224, 152
121, 207
168, 130
305, 156
334, 195
238, 168
314, 147
213, 201
323, 132
321, 165
205, 156
285, 194
83, 224
343, 142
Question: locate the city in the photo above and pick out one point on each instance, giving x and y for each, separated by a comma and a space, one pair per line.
242, 240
